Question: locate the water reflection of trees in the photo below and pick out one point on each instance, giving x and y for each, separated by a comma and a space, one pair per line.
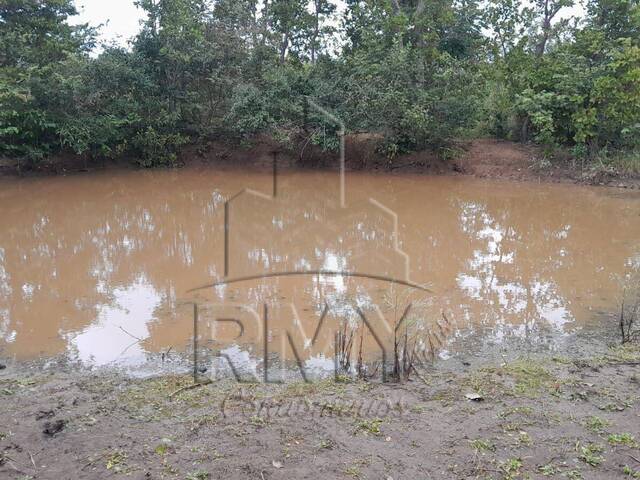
538, 264
519, 257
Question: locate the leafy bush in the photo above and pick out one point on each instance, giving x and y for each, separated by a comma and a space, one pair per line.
155, 148
420, 74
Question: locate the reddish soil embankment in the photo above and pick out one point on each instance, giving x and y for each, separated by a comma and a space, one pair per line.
484, 158
491, 158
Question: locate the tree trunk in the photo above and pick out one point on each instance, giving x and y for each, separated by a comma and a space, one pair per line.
542, 44
550, 11
316, 32
283, 48
524, 130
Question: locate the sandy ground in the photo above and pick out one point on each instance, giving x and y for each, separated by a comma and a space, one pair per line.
536, 417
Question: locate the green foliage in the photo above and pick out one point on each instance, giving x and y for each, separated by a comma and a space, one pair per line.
596, 424
630, 472
580, 90
37, 48
413, 81
590, 454
156, 148
481, 446
418, 73
36, 32
625, 439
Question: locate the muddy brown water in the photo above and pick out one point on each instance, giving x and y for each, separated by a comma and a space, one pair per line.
101, 267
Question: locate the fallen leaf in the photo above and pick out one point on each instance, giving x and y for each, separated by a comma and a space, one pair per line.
474, 397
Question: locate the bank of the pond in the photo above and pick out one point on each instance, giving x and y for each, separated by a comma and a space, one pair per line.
554, 416
482, 158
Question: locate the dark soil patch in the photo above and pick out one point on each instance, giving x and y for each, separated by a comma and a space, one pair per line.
51, 428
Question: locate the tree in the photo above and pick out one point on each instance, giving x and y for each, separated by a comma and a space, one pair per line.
291, 22
417, 73
38, 49
546, 11
36, 33
506, 22
615, 18
322, 9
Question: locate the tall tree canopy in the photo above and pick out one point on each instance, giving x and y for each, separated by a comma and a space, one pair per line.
418, 73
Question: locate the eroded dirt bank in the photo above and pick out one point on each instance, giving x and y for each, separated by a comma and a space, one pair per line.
483, 158
554, 417
490, 158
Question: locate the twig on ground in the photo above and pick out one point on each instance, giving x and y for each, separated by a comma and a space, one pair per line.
130, 334
189, 387
10, 462
92, 462
632, 457
415, 370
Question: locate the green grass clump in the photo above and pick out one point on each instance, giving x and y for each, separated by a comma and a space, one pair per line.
480, 445
369, 426
511, 468
596, 424
590, 454
530, 377
625, 439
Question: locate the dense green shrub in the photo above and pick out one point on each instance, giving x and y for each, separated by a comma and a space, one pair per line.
417, 73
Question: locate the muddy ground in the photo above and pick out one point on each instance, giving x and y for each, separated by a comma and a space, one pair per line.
483, 158
531, 417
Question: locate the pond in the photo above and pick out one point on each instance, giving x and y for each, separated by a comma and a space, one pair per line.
102, 267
